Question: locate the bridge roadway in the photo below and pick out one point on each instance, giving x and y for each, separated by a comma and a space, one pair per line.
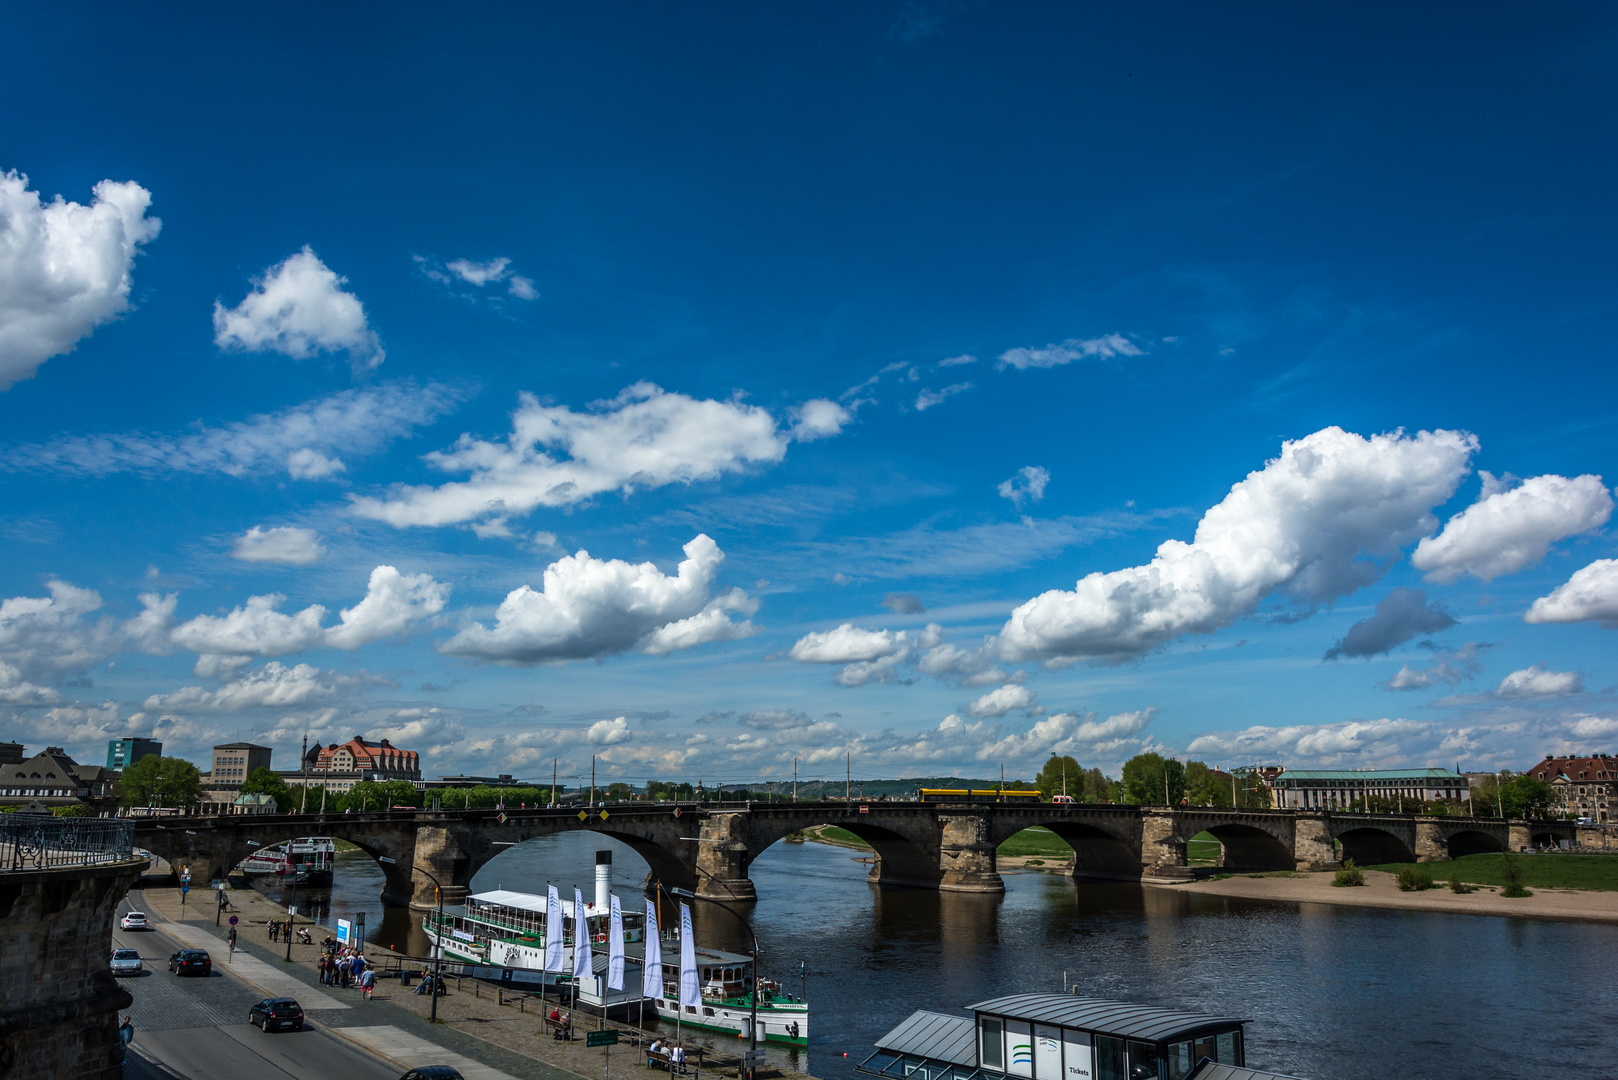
709, 847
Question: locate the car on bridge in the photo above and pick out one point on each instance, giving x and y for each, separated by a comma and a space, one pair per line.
134, 920
126, 962
281, 1014
433, 1072
191, 962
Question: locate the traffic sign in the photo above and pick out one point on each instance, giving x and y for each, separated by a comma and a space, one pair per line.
603, 815
751, 1058
676, 811
601, 1038
583, 816
185, 888
233, 920
500, 817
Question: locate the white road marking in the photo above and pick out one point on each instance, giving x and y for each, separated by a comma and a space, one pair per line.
270, 980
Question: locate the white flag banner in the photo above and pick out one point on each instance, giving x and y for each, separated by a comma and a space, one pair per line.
615, 948
690, 988
583, 957
555, 962
651, 971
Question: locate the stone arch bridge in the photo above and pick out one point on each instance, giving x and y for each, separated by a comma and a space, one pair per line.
709, 847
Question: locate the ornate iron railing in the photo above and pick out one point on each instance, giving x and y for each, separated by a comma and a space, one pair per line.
39, 841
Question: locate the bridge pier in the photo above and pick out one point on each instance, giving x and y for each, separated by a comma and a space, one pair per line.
966, 854
441, 855
722, 859
1162, 851
1519, 836
1431, 844
1312, 847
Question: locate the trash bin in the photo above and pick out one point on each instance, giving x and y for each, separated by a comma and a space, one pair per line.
404, 978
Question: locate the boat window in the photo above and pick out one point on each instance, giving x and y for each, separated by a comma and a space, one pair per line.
1110, 1059
707, 1012
881, 1061
1230, 1048
993, 1054
1206, 1048
1143, 1061
1180, 1061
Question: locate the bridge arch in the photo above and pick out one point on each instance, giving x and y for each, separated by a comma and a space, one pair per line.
670, 866
1248, 847
1473, 842
220, 852
1098, 853
1368, 845
901, 860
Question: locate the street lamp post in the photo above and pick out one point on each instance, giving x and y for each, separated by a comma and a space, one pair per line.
438, 935
752, 995
292, 908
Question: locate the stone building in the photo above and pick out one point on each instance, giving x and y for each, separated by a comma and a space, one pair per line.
1586, 787
53, 779
1331, 789
339, 766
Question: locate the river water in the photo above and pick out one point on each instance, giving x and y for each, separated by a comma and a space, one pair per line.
1334, 993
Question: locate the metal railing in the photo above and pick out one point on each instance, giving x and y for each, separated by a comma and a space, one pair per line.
39, 841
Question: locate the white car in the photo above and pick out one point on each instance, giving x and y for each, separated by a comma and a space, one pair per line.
135, 920
125, 962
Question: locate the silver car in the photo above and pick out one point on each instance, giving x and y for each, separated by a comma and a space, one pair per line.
125, 962
135, 920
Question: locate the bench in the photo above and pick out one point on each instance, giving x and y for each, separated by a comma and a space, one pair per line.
660, 1060
561, 1029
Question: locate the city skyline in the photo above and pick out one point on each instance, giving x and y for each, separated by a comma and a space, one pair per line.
933, 387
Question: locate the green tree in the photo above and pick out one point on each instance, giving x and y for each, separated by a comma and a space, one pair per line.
369, 795
1203, 788
1060, 776
263, 781
160, 781
1149, 776
1525, 796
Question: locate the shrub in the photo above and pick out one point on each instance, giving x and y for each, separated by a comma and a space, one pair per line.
1349, 874
1456, 885
1414, 879
1511, 874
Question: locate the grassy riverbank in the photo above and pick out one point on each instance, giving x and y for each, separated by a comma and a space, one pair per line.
1591, 872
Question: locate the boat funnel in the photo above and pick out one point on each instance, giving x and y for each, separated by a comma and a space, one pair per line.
603, 881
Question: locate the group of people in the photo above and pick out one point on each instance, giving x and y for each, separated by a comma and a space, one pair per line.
345, 968
280, 929
674, 1051
561, 1023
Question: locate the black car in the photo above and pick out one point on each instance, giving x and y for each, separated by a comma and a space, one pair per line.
432, 1072
191, 962
282, 1014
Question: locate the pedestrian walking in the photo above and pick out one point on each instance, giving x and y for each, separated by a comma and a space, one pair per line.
367, 983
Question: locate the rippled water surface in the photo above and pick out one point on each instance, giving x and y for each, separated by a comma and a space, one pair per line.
1334, 993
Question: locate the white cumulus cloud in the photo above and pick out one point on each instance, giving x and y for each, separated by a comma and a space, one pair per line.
64, 268
869, 655
1101, 348
282, 544
1510, 528
998, 702
1308, 525
1590, 595
589, 608
1536, 682
392, 602
273, 686
1321, 744
643, 438
299, 308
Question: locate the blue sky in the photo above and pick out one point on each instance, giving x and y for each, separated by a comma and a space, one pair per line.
943, 385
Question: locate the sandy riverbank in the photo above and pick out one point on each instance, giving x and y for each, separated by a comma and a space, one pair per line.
1381, 890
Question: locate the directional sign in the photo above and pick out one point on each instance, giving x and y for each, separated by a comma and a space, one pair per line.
601, 1038
233, 920
752, 1057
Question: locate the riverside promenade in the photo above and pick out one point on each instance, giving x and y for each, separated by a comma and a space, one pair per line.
505, 1040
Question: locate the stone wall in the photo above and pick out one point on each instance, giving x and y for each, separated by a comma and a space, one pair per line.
58, 1000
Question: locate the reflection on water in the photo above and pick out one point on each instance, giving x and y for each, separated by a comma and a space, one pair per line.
1334, 993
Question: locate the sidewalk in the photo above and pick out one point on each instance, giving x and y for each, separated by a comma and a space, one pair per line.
472, 1022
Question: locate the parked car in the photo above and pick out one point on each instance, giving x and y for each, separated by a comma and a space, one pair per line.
191, 962
134, 920
433, 1072
125, 962
281, 1014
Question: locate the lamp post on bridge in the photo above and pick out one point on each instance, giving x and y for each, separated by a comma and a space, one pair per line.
438, 935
